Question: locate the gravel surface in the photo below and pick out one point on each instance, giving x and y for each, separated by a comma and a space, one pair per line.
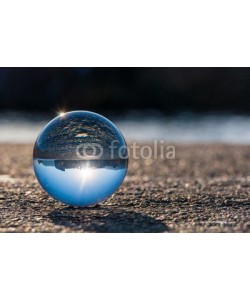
204, 189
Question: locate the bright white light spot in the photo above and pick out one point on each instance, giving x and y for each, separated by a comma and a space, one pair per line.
87, 173
81, 135
61, 113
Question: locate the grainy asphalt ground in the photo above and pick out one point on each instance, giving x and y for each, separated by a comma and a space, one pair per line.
204, 189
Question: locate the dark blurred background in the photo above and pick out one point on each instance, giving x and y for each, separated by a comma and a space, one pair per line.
117, 90
190, 105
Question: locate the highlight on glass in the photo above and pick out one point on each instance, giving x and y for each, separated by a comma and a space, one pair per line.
80, 158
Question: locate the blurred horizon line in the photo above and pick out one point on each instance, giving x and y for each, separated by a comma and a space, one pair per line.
17, 127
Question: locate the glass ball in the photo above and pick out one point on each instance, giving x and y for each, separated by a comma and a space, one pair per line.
80, 158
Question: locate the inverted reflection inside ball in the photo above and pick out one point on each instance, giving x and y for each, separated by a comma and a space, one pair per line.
77, 159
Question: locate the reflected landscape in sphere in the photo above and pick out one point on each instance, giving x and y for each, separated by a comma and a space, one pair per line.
80, 158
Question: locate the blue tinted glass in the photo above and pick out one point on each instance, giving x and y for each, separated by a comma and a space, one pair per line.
80, 158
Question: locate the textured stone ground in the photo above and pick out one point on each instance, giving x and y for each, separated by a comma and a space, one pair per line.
205, 189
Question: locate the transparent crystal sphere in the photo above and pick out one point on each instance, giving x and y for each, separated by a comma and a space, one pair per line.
80, 158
